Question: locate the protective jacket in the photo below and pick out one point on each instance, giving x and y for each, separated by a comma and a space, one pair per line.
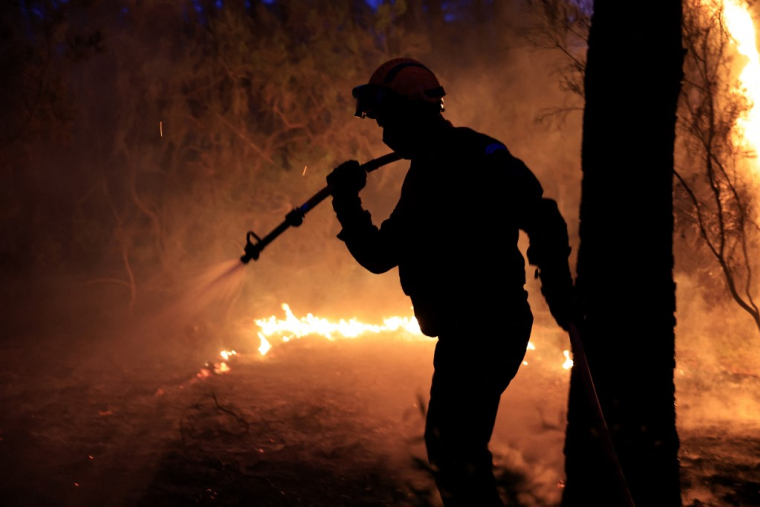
454, 232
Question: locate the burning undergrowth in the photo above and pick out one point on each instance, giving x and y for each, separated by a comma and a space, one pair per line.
117, 416
327, 423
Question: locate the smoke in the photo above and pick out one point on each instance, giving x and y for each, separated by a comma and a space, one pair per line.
162, 213
119, 241
717, 360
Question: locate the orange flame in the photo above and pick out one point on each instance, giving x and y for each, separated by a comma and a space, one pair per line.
737, 20
292, 327
568, 362
739, 24
212, 368
265, 345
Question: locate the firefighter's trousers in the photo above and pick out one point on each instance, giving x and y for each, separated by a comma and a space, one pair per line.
474, 363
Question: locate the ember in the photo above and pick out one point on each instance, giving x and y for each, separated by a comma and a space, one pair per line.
568, 362
217, 368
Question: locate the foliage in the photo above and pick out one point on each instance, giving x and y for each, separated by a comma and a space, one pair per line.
177, 123
715, 198
36, 108
714, 201
563, 26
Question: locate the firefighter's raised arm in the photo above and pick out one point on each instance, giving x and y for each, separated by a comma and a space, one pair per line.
364, 240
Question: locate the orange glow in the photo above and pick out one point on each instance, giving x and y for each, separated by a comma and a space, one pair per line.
292, 327
739, 24
265, 345
212, 368
568, 362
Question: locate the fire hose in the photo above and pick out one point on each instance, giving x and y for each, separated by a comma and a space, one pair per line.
295, 217
581, 362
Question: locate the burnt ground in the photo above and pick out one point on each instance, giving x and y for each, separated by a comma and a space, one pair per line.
99, 412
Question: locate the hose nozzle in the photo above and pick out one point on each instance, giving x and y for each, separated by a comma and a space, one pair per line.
252, 250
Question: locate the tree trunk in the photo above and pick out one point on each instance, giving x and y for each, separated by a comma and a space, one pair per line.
625, 260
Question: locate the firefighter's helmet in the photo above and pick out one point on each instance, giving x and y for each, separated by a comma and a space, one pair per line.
399, 78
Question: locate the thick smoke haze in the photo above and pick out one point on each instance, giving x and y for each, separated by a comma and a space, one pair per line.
145, 139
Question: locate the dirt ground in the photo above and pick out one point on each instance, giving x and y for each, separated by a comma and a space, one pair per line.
100, 412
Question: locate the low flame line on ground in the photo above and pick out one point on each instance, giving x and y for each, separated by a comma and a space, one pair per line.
293, 327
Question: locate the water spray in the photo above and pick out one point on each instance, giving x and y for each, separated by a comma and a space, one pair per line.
294, 218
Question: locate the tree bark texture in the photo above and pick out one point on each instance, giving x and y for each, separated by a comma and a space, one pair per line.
625, 259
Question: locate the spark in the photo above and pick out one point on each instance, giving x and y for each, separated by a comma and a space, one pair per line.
304, 170
161, 128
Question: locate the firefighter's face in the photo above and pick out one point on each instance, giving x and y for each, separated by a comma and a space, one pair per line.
402, 132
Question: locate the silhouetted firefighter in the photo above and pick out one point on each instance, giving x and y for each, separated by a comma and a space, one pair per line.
453, 236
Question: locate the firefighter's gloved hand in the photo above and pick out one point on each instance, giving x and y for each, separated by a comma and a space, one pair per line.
347, 179
564, 305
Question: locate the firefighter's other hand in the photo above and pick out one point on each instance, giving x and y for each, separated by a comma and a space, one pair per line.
347, 179
564, 305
